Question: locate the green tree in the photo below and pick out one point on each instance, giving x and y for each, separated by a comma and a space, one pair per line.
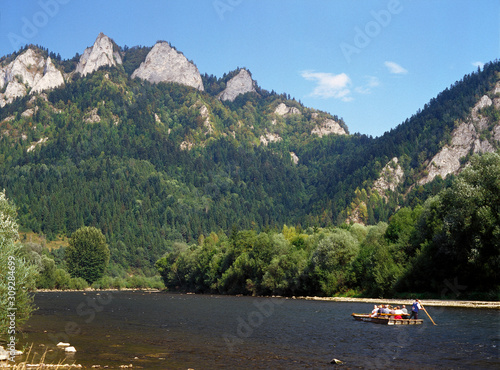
331, 260
470, 208
87, 255
172, 267
402, 229
459, 233
17, 277
376, 267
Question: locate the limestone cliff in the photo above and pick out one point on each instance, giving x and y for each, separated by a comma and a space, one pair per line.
204, 113
164, 64
239, 84
328, 127
30, 70
466, 138
284, 110
390, 177
51, 78
98, 55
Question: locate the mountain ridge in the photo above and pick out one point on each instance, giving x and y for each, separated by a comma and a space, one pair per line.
154, 163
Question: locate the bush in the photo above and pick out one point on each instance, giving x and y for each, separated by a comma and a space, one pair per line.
138, 281
106, 282
77, 284
119, 283
62, 278
46, 279
135, 282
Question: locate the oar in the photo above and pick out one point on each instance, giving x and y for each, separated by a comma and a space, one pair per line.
423, 308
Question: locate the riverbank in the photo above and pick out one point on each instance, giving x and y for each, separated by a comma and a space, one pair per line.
408, 302
425, 302
147, 290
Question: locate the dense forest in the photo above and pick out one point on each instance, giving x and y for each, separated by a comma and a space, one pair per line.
113, 155
454, 236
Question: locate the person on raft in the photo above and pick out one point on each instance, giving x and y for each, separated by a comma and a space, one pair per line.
414, 309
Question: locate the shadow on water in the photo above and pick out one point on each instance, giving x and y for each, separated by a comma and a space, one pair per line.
180, 331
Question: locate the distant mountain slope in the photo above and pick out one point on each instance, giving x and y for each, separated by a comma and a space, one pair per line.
152, 162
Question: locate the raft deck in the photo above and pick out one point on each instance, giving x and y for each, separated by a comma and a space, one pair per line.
386, 320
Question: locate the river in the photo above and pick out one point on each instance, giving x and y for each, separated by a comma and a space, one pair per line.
182, 331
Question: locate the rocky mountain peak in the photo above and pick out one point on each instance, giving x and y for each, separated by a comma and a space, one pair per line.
28, 70
98, 55
239, 84
25, 67
164, 64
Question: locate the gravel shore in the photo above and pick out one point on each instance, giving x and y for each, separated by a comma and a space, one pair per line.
424, 302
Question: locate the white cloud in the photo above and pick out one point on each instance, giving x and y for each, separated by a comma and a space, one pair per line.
395, 68
370, 84
478, 64
329, 85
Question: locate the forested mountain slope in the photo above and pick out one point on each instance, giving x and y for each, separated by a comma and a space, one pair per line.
152, 160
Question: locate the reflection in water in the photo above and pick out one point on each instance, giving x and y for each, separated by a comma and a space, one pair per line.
179, 331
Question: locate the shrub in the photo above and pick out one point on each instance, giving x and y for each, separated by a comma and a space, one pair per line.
77, 284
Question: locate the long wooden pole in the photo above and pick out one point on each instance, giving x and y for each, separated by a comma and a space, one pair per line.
423, 308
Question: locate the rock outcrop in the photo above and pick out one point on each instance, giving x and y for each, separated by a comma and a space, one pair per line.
28, 70
284, 110
186, 145
164, 64
98, 55
34, 145
270, 138
328, 127
390, 177
14, 90
239, 84
206, 120
92, 117
51, 78
4, 354
466, 138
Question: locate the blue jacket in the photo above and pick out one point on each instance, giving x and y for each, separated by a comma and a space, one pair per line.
415, 307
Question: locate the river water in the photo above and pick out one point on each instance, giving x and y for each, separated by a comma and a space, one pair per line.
182, 331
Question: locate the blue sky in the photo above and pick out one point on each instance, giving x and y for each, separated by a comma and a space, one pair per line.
374, 63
